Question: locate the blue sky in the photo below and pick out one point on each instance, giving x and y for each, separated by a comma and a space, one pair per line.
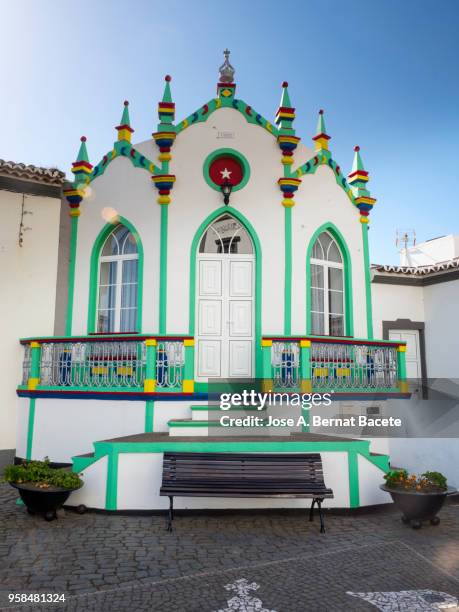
385, 71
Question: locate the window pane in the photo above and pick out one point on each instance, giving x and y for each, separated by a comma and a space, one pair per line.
128, 319
129, 296
318, 327
335, 301
226, 235
107, 297
317, 276
111, 246
108, 273
336, 323
106, 321
317, 301
317, 250
129, 244
333, 253
335, 279
130, 268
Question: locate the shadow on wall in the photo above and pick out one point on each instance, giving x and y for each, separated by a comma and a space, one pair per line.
6, 457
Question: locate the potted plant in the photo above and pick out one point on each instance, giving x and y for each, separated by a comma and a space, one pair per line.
43, 489
419, 498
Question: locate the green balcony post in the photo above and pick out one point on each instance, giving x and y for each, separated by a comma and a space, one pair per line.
401, 367
149, 385
305, 377
188, 373
267, 369
35, 359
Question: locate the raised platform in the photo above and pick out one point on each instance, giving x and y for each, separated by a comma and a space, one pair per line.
125, 473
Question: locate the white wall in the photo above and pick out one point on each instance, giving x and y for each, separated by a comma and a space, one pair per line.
28, 275
392, 302
431, 252
441, 303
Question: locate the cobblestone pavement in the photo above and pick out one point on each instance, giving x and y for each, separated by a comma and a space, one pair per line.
128, 563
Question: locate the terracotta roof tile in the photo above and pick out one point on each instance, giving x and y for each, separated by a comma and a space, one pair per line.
50, 176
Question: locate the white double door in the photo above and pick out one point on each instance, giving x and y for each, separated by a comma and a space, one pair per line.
225, 316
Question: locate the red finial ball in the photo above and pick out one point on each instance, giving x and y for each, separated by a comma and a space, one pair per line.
126, 103
285, 84
168, 78
321, 112
356, 148
83, 139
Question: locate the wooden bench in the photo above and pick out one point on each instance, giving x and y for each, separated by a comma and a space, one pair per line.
244, 475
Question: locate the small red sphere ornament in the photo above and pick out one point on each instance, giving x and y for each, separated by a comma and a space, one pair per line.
226, 169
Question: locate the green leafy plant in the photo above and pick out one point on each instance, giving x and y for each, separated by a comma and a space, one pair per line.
42, 475
427, 482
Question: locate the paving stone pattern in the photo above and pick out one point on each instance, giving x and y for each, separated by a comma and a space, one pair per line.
130, 563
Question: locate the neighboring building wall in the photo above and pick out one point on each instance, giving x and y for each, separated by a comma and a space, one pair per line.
431, 252
392, 302
28, 276
441, 303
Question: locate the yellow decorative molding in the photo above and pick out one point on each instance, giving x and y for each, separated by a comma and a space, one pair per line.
401, 348
124, 370
288, 202
164, 199
320, 371
403, 386
188, 342
75, 212
265, 342
306, 386
343, 371
34, 344
305, 343
149, 385
32, 383
188, 386
267, 385
150, 342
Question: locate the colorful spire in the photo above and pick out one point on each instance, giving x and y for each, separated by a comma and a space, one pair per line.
81, 167
226, 86
166, 108
124, 128
321, 138
285, 113
358, 179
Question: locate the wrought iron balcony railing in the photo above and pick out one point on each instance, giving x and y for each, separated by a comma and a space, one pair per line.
316, 363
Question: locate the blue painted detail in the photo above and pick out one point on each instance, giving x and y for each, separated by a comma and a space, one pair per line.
194, 117
258, 119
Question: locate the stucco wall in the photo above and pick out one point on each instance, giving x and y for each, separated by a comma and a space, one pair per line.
392, 302
28, 275
129, 191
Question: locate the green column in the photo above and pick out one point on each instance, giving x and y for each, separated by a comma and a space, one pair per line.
401, 367
288, 268
149, 385
188, 371
35, 358
149, 415
366, 263
305, 376
74, 214
353, 470
30, 427
163, 269
267, 369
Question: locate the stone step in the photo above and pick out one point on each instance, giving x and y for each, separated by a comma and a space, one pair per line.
191, 427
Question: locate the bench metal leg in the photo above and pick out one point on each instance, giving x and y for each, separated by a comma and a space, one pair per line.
171, 513
311, 511
321, 516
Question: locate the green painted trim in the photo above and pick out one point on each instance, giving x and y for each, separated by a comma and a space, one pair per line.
250, 114
163, 269
380, 461
228, 153
288, 270
30, 428
71, 273
348, 296
353, 467
324, 158
103, 448
366, 264
82, 463
258, 272
112, 480
149, 415
94, 271
194, 423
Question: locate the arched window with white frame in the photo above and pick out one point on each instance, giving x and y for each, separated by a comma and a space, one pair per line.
118, 282
327, 287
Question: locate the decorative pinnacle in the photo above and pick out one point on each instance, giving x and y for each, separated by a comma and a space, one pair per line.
83, 152
357, 163
321, 138
167, 96
226, 70
168, 78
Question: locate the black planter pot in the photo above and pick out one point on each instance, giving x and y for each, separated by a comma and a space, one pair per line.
417, 507
43, 501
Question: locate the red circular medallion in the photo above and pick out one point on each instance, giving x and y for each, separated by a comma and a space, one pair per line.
226, 168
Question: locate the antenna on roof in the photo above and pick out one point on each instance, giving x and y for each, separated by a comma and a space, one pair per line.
405, 238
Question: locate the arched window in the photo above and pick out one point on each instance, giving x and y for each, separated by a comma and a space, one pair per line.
327, 287
226, 235
118, 281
